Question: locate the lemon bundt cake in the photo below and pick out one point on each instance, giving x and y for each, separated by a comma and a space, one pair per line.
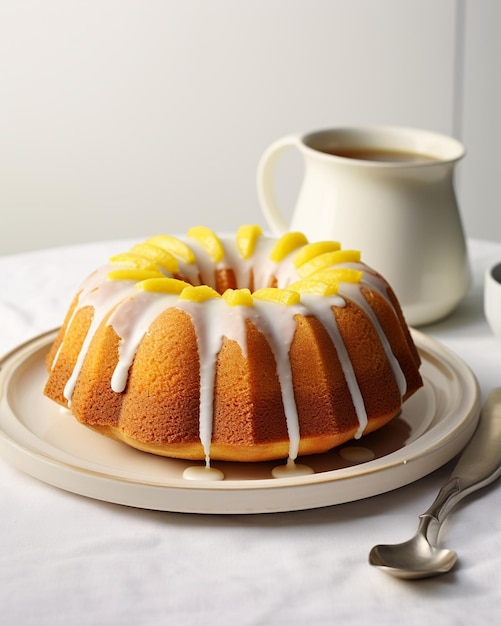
239, 348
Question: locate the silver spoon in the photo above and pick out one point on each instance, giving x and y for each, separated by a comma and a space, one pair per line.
479, 465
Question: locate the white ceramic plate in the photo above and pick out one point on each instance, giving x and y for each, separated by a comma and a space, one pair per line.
44, 441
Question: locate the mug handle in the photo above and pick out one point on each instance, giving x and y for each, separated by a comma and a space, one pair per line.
266, 182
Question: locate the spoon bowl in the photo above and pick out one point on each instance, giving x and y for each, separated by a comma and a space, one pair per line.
478, 466
415, 558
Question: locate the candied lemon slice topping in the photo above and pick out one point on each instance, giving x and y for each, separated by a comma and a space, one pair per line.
132, 261
313, 285
287, 244
162, 285
238, 297
312, 250
158, 255
173, 245
280, 296
247, 236
135, 275
208, 240
200, 293
338, 275
323, 261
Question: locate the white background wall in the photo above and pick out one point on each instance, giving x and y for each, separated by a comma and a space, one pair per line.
124, 118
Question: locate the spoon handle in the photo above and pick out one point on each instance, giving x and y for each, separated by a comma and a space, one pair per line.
478, 465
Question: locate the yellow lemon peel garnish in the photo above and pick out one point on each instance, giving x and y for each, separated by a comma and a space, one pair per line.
247, 236
132, 261
135, 275
208, 240
173, 245
158, 255
323, 261
287, 244
338, 275
313, 285
200, 293
238, 297
286, 297
312, 250
162, 285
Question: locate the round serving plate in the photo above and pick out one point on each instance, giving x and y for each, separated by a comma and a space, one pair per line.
46, 442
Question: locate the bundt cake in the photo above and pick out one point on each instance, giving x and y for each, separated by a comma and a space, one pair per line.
242, 348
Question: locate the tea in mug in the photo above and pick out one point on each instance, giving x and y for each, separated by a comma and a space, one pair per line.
380, 154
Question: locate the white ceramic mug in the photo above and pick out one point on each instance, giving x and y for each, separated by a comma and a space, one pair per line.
492, 298
402, 214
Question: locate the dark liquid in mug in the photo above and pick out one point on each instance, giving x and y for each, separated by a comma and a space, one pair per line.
376, 154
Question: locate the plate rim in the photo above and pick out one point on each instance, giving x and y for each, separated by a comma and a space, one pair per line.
14, 450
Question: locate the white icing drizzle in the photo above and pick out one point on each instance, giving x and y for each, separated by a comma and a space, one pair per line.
134, 311
356, 454
188, 271
278, 325
209, 341
204, 263
317, 304
103, 295
242, 268
263, 267
131, 321
202, 472
355, 295
291, 468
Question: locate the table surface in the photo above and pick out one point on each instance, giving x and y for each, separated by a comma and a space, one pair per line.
67, 559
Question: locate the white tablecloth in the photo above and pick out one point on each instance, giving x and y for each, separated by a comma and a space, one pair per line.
70, 560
